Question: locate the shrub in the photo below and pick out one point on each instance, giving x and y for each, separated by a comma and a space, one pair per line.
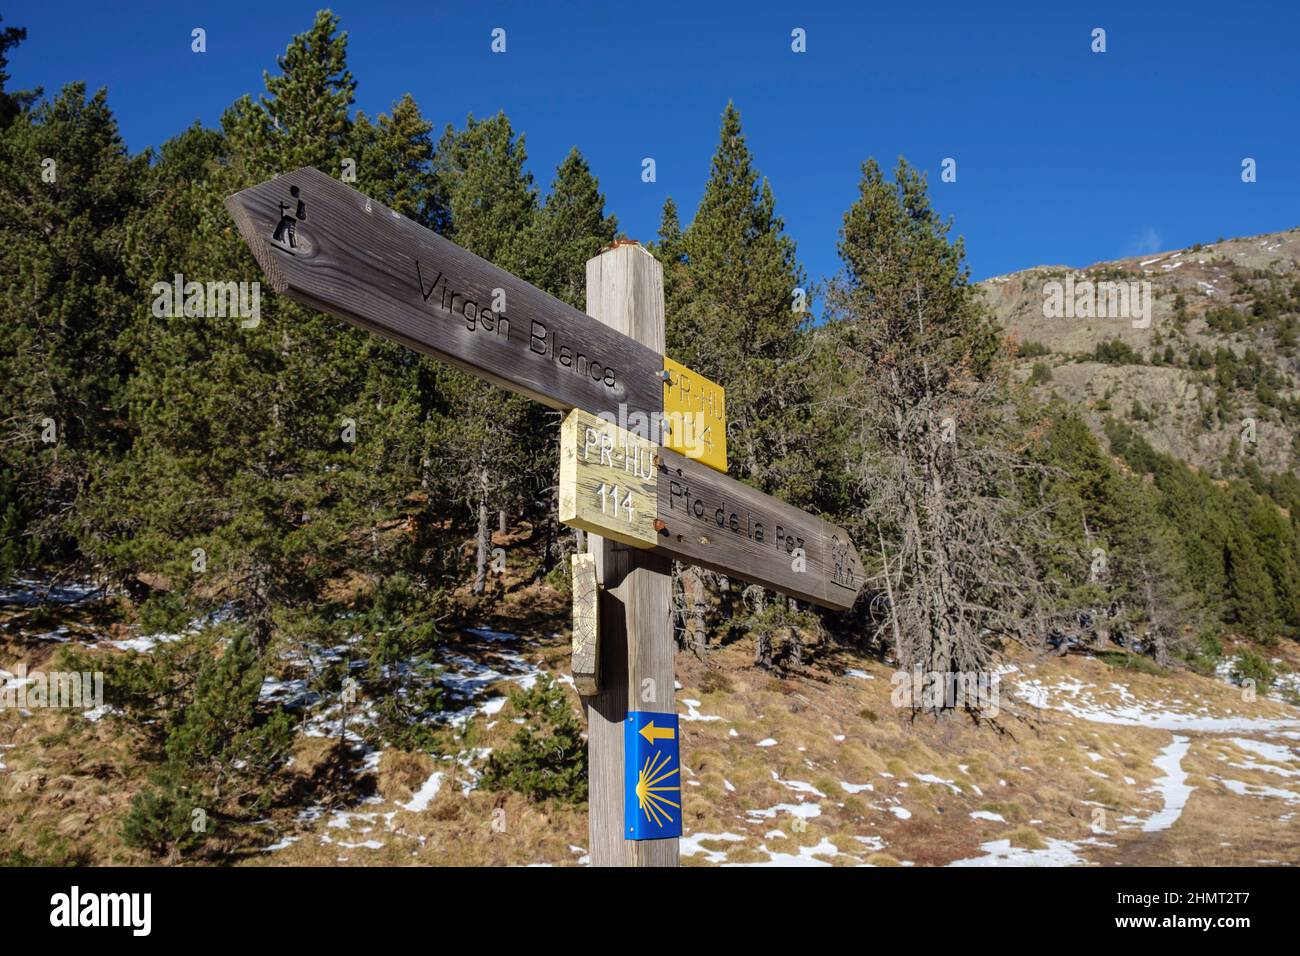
161, 819
1116, 352
547, 757
1252, 666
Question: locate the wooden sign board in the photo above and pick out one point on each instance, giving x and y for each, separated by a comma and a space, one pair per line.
699, 516
695, 416
607, 480
329, 247
708, 519
586, 625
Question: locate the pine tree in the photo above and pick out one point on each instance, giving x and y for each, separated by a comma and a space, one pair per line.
668, 250
571, 227
67, 192
12, 103
493, 437
731, 316
270, 455
932, 454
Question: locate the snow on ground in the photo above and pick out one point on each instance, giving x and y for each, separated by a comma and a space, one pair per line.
798, 786
1172, 786
465, 678
1081, 700
1056, 853
1259, 790
805, 810
1078, 700
1274, 754
689, 845
29, 592
420, 801
804, 857
931, 778
693, 711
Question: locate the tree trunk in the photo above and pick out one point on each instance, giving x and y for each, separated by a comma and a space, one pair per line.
503, 524
484, 540
695, 595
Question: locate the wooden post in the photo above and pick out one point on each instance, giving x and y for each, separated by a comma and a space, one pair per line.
625, 290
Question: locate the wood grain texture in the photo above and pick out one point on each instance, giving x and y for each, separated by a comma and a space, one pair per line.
716, 522
585, 658
355, 258
625, 290
607, 480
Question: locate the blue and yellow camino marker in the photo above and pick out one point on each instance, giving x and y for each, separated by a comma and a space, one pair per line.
652, 786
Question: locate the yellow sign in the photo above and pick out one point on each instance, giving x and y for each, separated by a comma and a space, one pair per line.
695, 416
607, 480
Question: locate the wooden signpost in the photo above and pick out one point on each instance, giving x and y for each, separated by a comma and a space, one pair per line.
642, 458
619, 485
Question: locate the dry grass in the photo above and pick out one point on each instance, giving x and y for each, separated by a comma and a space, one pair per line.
839, 747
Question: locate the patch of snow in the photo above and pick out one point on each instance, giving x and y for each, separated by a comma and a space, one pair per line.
693, 713
931, 778
1258, 790
1072, 697
987, 815
1172, 786
1002, 853
798, 786
420, 800
689, 845
805, 856
806, 810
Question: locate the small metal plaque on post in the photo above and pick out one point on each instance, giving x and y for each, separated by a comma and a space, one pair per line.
695, 416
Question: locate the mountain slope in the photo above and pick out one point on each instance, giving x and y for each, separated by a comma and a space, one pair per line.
1217, 367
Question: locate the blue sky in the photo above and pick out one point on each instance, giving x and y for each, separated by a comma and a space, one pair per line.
1063, 155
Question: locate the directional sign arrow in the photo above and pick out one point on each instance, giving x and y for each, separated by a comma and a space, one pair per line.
331, 248
612, 482
652, 733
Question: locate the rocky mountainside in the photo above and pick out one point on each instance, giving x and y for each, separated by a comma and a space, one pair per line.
1203, 361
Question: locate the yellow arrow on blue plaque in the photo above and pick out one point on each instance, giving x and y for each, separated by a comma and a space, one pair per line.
652, 790
652, 733
649, 788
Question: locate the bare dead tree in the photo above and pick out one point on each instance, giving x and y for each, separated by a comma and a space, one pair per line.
934, 463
